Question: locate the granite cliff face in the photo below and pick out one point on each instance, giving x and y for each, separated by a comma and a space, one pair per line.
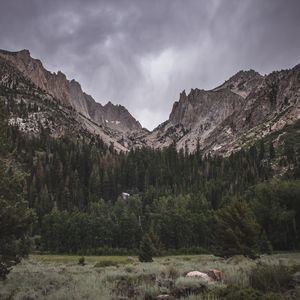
194, 117
70, 93
62, 105
271, 104
245, 108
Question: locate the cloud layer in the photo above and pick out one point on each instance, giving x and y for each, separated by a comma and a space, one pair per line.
142, 53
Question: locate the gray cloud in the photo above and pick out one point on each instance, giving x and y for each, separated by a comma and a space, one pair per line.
142, 53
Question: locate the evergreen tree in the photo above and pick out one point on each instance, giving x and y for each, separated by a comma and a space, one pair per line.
272, 151
237, 231
261, 150
15, 217
147, 250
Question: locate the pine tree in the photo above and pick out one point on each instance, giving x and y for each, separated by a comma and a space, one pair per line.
15, 217
146, 249
261, 150
272, 151
237, 231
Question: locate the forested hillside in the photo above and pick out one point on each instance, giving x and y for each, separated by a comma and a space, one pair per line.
184, 202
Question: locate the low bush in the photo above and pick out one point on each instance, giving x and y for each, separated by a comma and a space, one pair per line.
81, 261
186, 286
151, 292
271, 278
237, 293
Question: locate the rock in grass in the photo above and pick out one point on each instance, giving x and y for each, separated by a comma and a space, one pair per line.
198, 274
215, 274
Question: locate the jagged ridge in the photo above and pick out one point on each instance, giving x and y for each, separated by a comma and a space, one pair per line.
246, 107
70, 93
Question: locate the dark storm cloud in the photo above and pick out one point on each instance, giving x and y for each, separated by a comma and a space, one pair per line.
142, 53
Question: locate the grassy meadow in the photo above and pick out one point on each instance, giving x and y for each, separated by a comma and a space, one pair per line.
123, 277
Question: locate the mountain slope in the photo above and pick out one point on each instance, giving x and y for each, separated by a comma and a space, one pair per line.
35, 111
245, 108
69, 93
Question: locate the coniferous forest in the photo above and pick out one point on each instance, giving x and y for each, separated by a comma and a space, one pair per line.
72, 202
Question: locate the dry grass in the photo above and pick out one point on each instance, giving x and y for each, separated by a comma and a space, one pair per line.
60, 277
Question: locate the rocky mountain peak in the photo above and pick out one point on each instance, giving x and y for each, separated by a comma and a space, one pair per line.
109, 104
62, 76
117, 115
70, 92
25, 53
182, 95
242, 83
244, 108
244, 74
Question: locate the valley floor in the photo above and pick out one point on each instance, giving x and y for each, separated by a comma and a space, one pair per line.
121, 277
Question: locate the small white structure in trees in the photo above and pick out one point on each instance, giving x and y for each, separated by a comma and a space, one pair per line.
125, 196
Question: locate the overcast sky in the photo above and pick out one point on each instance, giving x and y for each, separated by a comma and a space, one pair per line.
143, 53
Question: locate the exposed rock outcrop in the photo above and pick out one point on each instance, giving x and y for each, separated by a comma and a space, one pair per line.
46, 112
70, 93
243, 109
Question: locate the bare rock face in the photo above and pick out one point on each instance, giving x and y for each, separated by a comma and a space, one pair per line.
271, 105
243, 109
49, 112
194, 117
55, 84
115, 117
242, 83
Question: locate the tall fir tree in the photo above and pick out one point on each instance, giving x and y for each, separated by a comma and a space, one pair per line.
147, 250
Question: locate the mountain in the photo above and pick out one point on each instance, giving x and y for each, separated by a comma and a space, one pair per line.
34, 111
244, 109
115, 118
58, 157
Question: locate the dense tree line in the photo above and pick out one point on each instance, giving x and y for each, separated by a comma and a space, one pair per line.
16, 218
179, 200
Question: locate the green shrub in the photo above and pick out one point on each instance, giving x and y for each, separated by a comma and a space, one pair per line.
172, 272
4, 270
236, 293
186, 286
151, 292
81, 261
272, 296
271, 278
